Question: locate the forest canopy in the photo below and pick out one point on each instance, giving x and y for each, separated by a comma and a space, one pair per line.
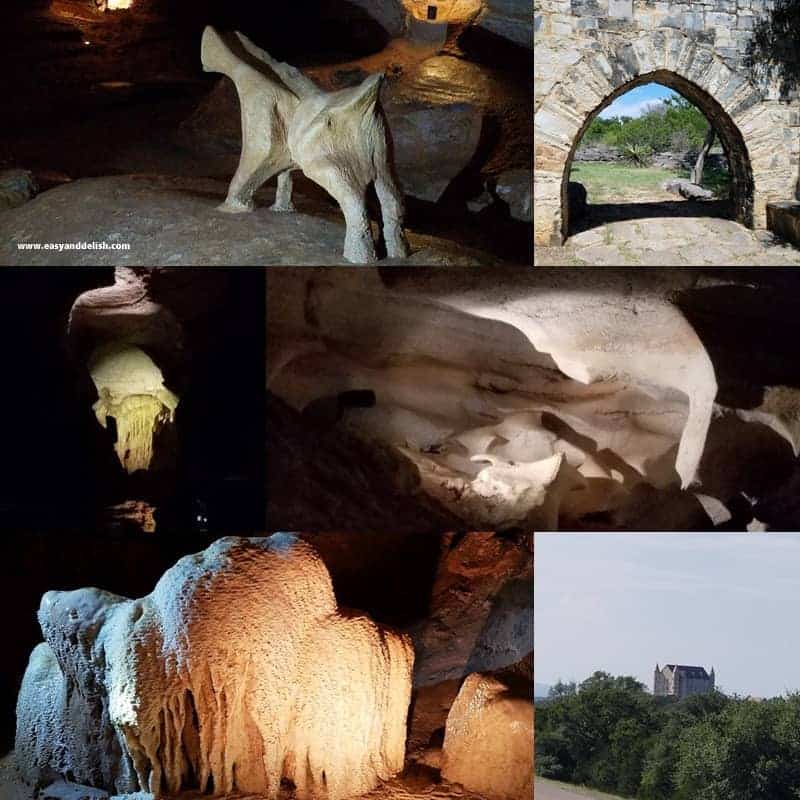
674, 124
611, 734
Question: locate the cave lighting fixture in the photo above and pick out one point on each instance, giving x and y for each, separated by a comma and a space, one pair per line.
437, 11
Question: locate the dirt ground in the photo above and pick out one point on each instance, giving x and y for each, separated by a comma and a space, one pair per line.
641, 236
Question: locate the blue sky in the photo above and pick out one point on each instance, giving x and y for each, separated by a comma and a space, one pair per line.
635, 102
622, 602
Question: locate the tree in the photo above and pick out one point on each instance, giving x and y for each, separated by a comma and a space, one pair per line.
562, 689
697, 170
772, 52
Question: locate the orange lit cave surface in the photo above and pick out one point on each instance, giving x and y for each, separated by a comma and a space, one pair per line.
444, 10
242, 674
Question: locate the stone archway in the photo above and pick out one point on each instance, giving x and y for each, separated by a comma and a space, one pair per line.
758, 135
729, 135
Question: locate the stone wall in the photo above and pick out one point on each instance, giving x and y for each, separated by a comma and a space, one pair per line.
589, 52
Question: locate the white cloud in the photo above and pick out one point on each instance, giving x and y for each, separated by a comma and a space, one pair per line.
635, 108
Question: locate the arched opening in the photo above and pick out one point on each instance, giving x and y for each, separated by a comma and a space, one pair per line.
740, 204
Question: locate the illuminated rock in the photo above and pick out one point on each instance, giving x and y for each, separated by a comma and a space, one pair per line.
338, 139
63, 724
488, 740
525, 404
238, 670
131, 390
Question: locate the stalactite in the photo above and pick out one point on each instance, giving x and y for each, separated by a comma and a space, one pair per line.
131, 391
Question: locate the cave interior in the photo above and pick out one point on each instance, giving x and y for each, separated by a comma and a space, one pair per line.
110, 88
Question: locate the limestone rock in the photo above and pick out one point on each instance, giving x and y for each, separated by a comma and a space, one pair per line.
433, 143
527, 392
687, 189
338, 139
243, 640
128, 310
323, 479
171, 222
509, 19
597, 152
514, 188
131, 392
17, 186
62, 790
488, 741
481, 609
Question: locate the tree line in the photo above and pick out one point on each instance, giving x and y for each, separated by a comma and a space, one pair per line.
675, 125
611, 734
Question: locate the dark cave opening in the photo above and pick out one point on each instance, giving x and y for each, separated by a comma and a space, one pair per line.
212, 456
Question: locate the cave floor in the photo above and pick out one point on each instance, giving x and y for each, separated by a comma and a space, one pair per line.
93, 101
166, 221
414, 787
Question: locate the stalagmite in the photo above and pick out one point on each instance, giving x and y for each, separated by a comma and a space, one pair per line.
131, 390
488, 740
236, 672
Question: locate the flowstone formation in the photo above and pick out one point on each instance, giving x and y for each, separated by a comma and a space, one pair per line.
236, 672
131, 391
546, 399
338, 139
488, 740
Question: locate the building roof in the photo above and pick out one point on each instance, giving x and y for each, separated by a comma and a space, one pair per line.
689, 672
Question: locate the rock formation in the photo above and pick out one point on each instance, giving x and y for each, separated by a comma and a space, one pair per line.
481, 608
544, 399
687, 189
131, 390
338, 139
488, 741
238, 671
17, 186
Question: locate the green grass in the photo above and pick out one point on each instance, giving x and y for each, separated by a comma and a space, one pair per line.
591, 794
611, 182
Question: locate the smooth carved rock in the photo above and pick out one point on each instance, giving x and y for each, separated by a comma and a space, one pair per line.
434, 138
238, 670
488, 740
546, 399
338, 139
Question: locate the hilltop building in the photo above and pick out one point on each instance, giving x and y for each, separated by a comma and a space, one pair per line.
678, 680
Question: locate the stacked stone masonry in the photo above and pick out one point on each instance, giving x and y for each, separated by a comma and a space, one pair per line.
589, 52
